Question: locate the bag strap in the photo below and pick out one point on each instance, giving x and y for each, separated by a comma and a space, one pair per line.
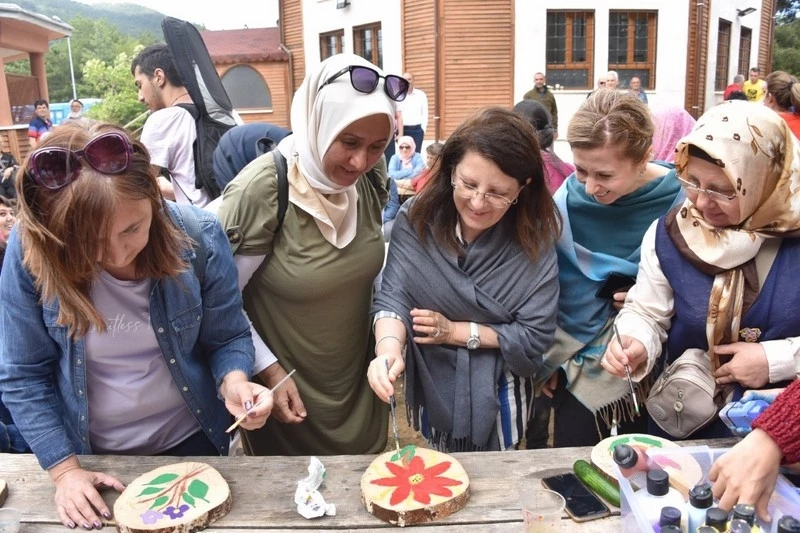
193, 230
283, 186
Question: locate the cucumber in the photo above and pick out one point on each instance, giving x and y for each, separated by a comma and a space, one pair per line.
596, 481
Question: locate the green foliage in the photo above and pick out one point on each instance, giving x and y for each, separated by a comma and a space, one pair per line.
786, 50
787, 10
114, 83
130, 19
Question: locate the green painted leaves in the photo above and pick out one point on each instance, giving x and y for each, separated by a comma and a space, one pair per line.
405, 454
163, 478
198, 489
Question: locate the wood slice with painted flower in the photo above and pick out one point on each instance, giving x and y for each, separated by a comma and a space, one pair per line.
181, 497
414, 485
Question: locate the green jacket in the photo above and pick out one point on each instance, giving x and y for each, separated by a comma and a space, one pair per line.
547, 99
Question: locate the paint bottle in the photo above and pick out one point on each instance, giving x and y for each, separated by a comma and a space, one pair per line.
700, 500
657, 496
739, 415
788, 524
704, 529
670, 516
740, 526
632, 464
717, 518
671, 529
747, 513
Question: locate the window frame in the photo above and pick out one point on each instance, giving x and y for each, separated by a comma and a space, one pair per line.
358, 42
569, 48
744, 58
324, 42
652, 42
723, 54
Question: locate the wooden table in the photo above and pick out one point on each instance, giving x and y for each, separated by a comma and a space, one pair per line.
263, 490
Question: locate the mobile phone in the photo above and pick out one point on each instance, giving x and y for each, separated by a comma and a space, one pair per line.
582, 504
615, 282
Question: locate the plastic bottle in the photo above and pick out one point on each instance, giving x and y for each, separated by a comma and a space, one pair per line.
632, 464
747, 513
657, 496
717, 518
738, 415
788, 524
704, 529
740, 526
670, 516
700, 500
671, 529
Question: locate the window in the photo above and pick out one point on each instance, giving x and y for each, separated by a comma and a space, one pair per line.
723, 55
330, 44
632, 46
745, 38
246, 88
570, 48
368, 43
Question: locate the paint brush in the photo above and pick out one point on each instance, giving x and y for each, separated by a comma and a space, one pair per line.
627, 372
393, 409
244, 415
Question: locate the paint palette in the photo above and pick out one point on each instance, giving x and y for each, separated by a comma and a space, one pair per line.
181, 497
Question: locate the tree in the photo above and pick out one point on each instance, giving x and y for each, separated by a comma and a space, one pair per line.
113, 80
787, 10
786, 51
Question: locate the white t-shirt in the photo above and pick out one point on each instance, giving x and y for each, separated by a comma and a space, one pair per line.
169, 134
415, 109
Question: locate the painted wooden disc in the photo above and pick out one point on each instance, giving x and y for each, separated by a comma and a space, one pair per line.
413, 486
181, 497
3, 491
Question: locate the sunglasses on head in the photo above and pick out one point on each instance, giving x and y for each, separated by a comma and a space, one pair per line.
54, 168
365, 80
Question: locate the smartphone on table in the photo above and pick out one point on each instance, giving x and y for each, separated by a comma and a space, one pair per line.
582, 504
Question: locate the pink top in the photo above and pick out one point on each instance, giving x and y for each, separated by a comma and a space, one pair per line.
672, 124
555, 170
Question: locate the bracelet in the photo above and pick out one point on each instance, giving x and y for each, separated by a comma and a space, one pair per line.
388, 337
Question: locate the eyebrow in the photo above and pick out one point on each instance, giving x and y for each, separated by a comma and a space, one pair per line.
130, 227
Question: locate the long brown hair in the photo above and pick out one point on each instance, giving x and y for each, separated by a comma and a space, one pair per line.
785, 89
507, 140
63, 232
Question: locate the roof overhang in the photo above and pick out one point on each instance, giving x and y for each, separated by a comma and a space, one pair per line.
23, 32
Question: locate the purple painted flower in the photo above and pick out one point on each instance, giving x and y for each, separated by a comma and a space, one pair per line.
174, 512
150, 516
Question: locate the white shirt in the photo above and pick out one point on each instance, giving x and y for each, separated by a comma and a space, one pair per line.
169, 135
650, 305
415, 109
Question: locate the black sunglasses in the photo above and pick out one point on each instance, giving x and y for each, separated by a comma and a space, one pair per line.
54, 168
365, 80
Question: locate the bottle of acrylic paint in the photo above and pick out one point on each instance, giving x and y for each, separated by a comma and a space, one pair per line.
747, 513
741, 526
670, 516
717, 518
788, 524
657, 496
704, 529
671, 529
700, 500
632, 464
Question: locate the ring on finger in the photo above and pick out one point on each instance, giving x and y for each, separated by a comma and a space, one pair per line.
437, 332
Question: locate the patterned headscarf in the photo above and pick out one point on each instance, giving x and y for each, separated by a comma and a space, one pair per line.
761, 158
672, 123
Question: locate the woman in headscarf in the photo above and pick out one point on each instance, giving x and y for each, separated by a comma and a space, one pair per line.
470, 288
607, 205
717, 273
672, 123
406, 163
556, 170
308, 287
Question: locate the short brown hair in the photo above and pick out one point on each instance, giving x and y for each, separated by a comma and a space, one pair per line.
785, 89
63, 232
507, 140
613, 118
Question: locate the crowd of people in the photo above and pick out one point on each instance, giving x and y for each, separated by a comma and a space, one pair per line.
490, 277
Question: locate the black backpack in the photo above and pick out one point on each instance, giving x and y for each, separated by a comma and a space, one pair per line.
212, 109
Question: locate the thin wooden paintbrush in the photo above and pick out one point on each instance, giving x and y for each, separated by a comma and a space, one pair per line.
244, 415
627, 372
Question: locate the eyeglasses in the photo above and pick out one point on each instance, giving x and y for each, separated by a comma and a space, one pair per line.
404, 147
365, 80
468, 192
714, 195
54, 168
601, 83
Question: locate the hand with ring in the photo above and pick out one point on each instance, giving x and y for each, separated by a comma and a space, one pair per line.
431, 327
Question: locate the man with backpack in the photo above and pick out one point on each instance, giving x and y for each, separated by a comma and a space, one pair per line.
170, 131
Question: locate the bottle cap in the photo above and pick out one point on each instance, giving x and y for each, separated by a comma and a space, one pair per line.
701, 496
739, 526
625, 456
670, 516
716, 517
657, 482
745, 512
788, 524
672, 529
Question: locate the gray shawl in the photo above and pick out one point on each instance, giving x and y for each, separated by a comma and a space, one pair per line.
497, 285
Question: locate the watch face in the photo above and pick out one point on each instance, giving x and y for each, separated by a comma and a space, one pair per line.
473, 343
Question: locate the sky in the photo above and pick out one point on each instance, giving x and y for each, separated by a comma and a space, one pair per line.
214, 15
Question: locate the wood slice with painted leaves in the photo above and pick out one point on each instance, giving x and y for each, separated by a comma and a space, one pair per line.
413, 486
178, 498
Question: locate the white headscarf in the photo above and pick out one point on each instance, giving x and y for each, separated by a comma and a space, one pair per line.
319, 114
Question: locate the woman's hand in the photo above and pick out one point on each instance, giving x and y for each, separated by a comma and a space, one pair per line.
749, 365
618, 299
382, 379
242, 395
78, 503
616, 357
747, 473
287, 405
550, 386
435, 326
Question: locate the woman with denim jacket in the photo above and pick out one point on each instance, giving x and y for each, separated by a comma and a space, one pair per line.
121, 339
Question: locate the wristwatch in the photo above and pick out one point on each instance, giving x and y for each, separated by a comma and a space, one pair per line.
474, 341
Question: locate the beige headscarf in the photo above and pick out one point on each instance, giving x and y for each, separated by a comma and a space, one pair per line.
319, 114
761, 158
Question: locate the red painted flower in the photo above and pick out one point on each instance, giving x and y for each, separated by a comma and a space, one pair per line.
417, 480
